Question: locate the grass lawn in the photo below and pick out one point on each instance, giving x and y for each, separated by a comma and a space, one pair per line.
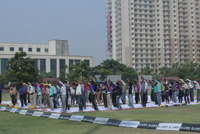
11, 123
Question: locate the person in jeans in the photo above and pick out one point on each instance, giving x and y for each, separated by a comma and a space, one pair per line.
12, 94
123, 97
186, 95
93, 93
197, 87
130, 94
43, 90
79, 96
174, 92
118, 94
1, 87
39, 95
85, 93
25, 94
191, 89
107, 89
72, 93
51, 97
54, 95
62, 88
137, 89
21, 94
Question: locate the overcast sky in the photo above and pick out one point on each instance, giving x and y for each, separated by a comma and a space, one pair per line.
81, 22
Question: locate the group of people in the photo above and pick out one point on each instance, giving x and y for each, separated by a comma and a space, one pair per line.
57, 93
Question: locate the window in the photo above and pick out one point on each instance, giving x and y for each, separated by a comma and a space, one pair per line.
36, 62
42, 65
37, 49
30, 49
53, 67
1, 48
71, 62
3, 65
11, 48
20, 49
62, 67
77, 61
87, 62
46, 50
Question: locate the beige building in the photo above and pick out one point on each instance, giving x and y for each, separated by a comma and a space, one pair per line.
153, 32
50, 57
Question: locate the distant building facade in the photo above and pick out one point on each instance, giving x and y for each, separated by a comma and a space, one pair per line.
153, 32
50, 57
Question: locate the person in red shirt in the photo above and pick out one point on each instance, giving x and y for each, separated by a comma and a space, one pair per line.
85, 94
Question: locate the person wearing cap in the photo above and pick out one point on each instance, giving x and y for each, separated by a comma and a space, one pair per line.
62, 88
25, 93
191, 89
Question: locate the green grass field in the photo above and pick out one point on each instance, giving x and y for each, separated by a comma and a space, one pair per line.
11, 123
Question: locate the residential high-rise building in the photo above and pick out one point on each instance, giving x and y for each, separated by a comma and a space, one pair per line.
153, 32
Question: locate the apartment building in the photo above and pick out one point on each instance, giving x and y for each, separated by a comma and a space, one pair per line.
153, 33
52, 57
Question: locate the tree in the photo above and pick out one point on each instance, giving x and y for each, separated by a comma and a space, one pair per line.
21, 68
147, 71
79, 71
112, 67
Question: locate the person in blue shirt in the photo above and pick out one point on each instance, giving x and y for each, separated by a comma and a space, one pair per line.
93, 92
25, 93
21, 94
1, 87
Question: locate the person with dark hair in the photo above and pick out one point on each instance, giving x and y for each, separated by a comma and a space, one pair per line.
85, 93
93, 92
21, 94
1, 87
137, 88
197, 87
13, 94
79, 96
130, 94
67, 94
191, 89
62, 88
113, 90
118, 94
